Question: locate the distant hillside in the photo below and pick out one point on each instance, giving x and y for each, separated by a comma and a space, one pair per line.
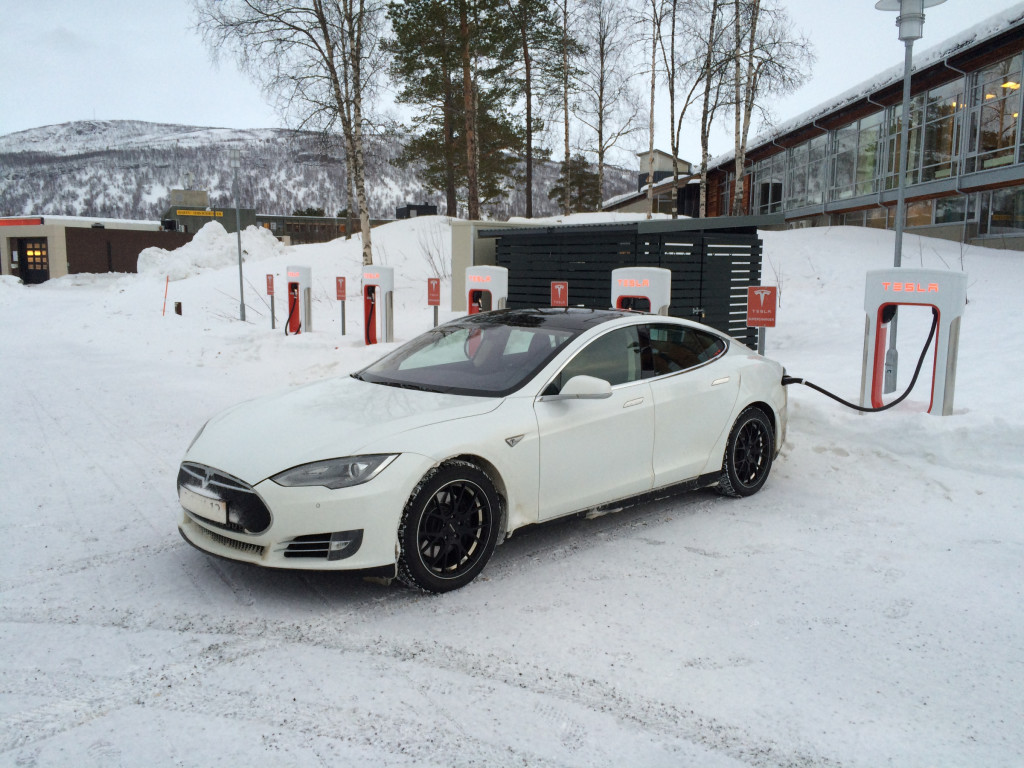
126, 168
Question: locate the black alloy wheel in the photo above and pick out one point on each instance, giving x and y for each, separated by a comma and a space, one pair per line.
748, 454
449, 528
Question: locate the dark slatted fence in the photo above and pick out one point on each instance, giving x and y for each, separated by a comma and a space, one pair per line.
712, 267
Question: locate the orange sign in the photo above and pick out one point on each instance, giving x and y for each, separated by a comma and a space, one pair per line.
559, 293
433, 291
761, 301
35, 221
911, 287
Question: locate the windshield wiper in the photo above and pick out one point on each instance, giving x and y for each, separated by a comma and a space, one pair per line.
406, 385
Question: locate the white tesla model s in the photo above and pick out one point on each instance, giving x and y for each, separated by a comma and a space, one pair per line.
428, 458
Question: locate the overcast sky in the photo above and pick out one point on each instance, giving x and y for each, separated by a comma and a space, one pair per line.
65, 60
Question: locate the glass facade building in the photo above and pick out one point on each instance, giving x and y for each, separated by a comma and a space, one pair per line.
965, 165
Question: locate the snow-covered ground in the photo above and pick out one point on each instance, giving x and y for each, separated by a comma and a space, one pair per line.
864, 609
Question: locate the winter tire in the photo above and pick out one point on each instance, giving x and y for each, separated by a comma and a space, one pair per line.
748, 454
449, 528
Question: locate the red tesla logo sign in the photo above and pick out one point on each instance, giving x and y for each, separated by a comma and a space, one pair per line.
433, 291
631, 283
340, 281
559, 293
761, 301
911, 287
270, 285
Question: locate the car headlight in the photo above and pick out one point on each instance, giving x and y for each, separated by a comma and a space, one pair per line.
336, 473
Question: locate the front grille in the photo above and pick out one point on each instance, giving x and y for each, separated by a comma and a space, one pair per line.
246, 511
241, 546
325, 546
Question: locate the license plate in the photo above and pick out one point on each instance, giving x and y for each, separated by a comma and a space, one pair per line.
211, 509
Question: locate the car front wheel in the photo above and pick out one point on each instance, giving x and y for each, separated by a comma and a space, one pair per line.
748, 454
449, 528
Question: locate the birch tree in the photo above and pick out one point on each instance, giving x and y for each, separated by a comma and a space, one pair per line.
608, 103
316, 57
770, 59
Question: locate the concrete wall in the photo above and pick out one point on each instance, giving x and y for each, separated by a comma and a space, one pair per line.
54, 229
470, 250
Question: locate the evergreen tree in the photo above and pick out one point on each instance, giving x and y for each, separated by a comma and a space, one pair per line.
578, 184
451, 59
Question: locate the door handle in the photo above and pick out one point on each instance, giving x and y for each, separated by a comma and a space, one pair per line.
634, 401
723, 380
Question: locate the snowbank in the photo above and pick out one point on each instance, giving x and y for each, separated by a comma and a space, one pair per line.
213, 247
862, 610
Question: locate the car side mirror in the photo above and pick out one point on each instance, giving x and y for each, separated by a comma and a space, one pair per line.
582, 388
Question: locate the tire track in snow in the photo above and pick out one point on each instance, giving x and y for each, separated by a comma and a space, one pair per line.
565, 691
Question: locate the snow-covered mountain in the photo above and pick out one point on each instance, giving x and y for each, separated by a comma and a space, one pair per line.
126, 169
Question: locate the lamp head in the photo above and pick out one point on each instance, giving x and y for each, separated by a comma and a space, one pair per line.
911, 19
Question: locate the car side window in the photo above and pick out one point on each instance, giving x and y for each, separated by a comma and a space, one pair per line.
672, 348
614, 357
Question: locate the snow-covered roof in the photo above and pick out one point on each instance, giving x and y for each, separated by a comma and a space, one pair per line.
88, 221
969, 38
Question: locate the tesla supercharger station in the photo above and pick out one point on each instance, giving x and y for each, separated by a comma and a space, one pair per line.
487, 287
378, 304
946, 293
299, 297
645, 289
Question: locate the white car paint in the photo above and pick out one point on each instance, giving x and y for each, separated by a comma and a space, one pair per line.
547, 457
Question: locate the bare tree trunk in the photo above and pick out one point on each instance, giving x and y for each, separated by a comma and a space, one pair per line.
448, 128
654, 88
707, 111
674, 139
354, 17
469, 103
523, 22
744, 95
565, 103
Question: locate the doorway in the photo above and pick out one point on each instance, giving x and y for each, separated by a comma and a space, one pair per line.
35, 263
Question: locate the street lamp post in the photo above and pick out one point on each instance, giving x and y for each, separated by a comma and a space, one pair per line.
910, 23
235, 164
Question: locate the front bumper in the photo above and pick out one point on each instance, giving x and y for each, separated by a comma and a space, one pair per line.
315, 528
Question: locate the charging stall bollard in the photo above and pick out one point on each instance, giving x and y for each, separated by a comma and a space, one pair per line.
300, 289
270, 293
340, 284
434, 295
378, 304
488, 288
946, 293
644, 289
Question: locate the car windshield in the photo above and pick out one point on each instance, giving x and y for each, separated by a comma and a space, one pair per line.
487, 355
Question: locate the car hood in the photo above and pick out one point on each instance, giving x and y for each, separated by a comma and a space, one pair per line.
331, 418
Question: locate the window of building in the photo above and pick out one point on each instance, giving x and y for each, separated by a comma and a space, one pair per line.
893, 139
950, 210
767, 187
941, 145
994, 109
1006, 212
856, 154
805, 173
919, 213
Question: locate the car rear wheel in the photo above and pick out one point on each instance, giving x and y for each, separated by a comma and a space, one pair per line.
748, 454
449, 528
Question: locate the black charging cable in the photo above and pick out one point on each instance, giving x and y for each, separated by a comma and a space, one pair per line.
787, 380
291, 314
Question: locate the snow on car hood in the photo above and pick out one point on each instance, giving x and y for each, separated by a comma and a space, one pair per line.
324, 420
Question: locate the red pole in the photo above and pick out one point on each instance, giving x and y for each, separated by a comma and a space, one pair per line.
167, 284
